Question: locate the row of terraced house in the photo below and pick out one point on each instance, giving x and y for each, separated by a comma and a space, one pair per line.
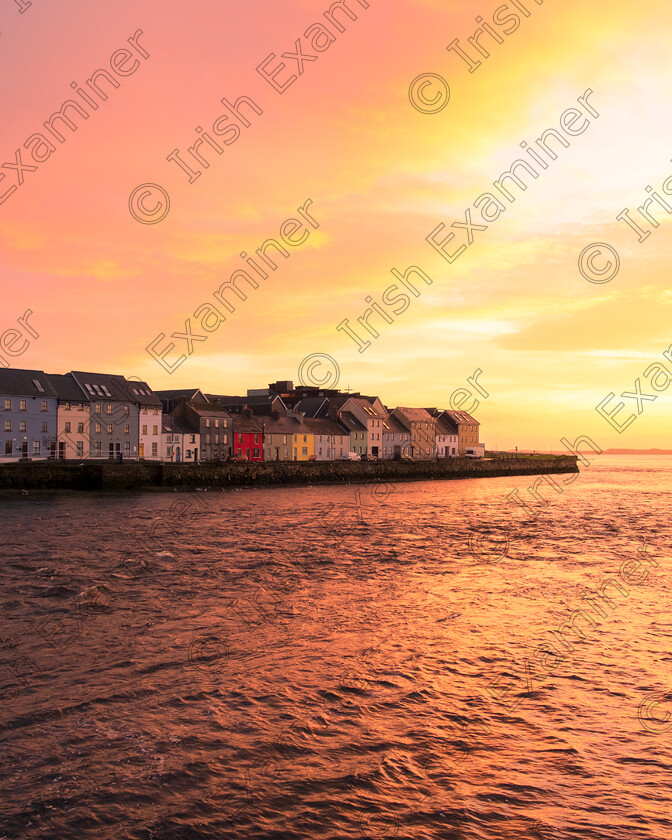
83, 416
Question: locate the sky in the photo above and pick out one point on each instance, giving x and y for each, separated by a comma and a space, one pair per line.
379, 154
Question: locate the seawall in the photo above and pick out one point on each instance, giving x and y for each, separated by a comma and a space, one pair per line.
55, 475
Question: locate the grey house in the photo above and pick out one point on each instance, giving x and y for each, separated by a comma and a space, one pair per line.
214, 426
28, 414
113, 428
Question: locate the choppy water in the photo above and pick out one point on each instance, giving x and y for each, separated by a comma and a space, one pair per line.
322, 663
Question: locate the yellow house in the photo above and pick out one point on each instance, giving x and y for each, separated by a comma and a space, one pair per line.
303, 444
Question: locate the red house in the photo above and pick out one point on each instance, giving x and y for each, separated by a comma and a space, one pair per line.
248, 436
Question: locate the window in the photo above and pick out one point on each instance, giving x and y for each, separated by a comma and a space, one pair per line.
155, 449
193, 439
22, 405
225, 423
127, 429
8, 425
127, 447
66, 406
80, 448
225, 438
156, 411
284, 438
207, 438
22, 425
80, 428
256, 438
67, 427
39, 387
304, 450
8, 405
81, 406
97, 408
216, 437
108, 408
45, 427
255, 453
305, 438
188, 454
97, 428
240, 438
155, 430
216, 422
8, 447
98, 447
144, 430
144, 410
127, 409
109, 428
36, 447
207, 422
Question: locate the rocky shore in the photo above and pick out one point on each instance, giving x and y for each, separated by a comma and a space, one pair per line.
54, 475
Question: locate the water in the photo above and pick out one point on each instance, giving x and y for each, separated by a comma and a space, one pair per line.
340, 662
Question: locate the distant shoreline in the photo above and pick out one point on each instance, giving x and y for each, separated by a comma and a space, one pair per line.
619, 452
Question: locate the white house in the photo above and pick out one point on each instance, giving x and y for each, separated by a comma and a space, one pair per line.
180, 442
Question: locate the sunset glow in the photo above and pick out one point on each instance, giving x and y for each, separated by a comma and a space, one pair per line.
333, 141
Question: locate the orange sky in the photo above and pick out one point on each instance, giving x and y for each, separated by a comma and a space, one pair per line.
381, 176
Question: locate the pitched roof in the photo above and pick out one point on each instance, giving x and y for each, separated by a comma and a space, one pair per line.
255, 399
246, 425
444, 425
24, 383
393, 425
142, 393
101, 386
324, 426
289, 425
179, 393
462, 417
313, 406
366, 404
206, 409
178, 425
112, 386
67, 389
350, 422
262, 404
414, 415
